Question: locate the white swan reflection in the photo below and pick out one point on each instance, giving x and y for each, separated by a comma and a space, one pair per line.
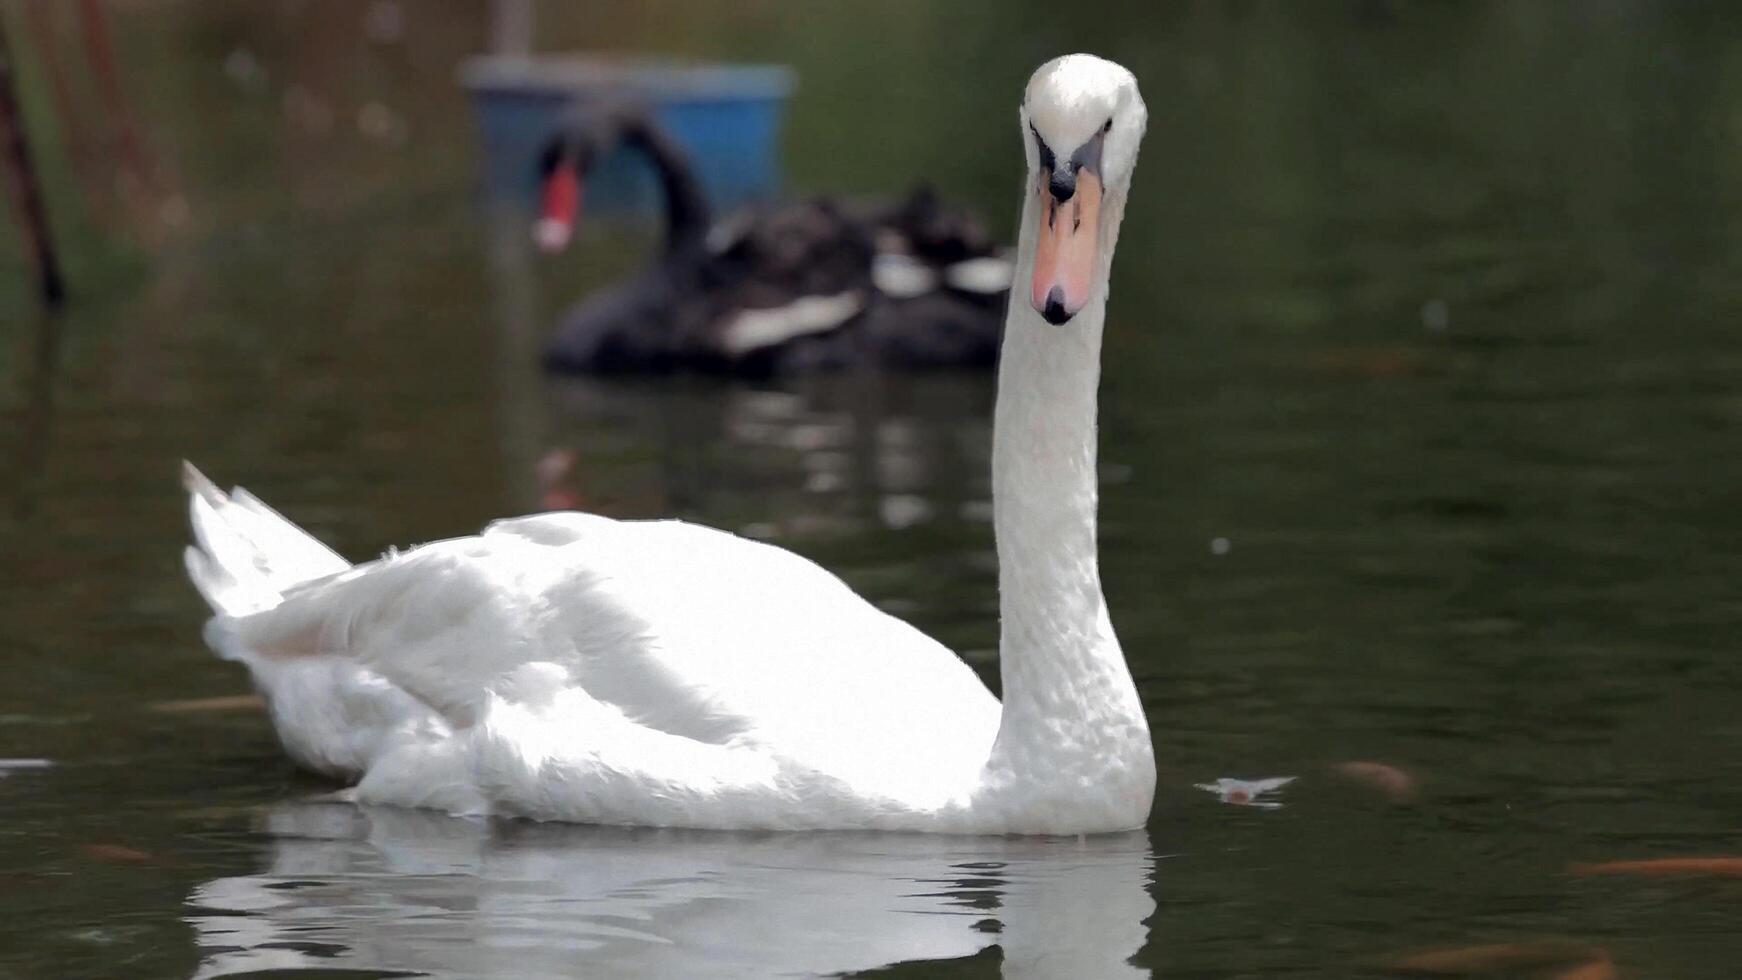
404, 890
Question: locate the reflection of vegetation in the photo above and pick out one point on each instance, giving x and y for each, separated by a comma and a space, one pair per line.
32, 420
18, 170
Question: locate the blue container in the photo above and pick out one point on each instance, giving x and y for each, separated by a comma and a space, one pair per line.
726, 117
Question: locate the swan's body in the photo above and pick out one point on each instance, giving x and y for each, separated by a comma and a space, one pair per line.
783, 289
573, 667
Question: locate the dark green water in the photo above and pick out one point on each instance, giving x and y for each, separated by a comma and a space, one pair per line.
1428, 313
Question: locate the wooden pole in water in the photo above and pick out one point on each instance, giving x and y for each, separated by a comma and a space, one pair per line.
511, 27
26, 193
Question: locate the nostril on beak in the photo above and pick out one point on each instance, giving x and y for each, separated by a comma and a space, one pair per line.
1062, 184
1055, 313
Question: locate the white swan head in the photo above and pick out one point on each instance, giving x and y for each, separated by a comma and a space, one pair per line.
1082, 120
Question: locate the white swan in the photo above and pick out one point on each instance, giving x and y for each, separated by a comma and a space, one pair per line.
571, 667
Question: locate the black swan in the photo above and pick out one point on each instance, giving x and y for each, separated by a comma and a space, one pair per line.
810, 286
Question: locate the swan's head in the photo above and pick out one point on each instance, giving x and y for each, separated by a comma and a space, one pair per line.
583, 138
1082, 120
562, 168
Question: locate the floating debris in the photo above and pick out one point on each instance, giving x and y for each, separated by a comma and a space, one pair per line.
223, 702
1248, 792
1397, 784
1508, 958
117, 853
1220, 546
1603, 969
1722, 866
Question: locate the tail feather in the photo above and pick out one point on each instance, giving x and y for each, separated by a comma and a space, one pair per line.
247, 554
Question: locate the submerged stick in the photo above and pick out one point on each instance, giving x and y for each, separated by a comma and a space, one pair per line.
26, 192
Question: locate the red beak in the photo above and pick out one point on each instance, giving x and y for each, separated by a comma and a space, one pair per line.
559, 206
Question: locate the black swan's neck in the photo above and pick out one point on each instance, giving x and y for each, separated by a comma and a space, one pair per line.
686, 210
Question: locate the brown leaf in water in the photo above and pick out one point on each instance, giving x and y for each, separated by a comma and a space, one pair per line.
1397, 784
116, 853
1473, 960
226, 702
1723, 866
1601, 969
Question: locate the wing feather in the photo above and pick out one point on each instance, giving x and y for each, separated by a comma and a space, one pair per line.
682, 629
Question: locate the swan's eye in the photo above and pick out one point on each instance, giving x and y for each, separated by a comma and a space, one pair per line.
1108, 128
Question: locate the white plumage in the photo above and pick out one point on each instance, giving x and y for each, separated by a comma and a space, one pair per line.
572, 667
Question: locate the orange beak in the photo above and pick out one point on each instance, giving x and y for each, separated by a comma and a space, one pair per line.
1066, 244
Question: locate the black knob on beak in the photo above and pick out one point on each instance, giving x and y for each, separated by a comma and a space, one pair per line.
1062, 183
1055, 312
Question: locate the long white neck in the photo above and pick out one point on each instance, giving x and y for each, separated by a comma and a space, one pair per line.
1071, 711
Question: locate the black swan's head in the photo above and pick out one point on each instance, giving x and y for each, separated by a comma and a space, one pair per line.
584, 136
